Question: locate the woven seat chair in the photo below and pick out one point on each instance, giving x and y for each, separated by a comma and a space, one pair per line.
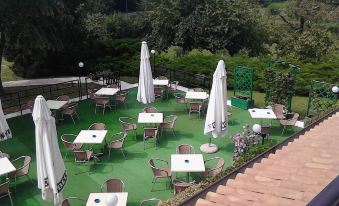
117, 144
71, 111
185, 149
69, 145
159, 172
4, 191
169, 124
68, 200
22, 170
211, 172
127, 125
113, 185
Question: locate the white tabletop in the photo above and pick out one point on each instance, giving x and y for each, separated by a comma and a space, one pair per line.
187, 163
55, 104
159, 82
122, 199
150, 118
107, 91
91, 136
196, 95
6, 166
262, 113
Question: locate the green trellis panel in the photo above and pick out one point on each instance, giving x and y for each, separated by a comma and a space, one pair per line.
321, 99
243, 81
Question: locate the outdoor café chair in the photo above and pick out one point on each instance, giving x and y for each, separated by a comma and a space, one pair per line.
265, 132
150, 134
290, 121
117, 144
68, 200
211, 172
279, 110
150, 110
180, 100
70, 146
22, 170
113, 185
194, 107
185, 149
127, 124
84, 157
180, 186
173, 87
4, 191
169, 124
102, 102
159, 172
159, 92
29, 105
71, 111
97, 126
151, 202
122, 98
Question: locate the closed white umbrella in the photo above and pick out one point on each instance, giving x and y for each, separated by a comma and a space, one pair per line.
145, 88
216, 117
51, 171
5, 131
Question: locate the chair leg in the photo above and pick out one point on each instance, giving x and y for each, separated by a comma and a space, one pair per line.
95, 110
109, 153
123, 153
77, 115
72, 119
174, 133
283, 131
10, 198
155, 179
135, 135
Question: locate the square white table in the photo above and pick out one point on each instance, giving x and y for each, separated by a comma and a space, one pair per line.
262, 113
90, 137
122, 199
107, 91
6, 166
187, 163
196, 95
159, 82
55, 104
152, 118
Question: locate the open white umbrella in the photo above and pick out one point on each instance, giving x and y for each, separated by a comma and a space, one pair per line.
216, 117
5, 131
51, 171
145, 88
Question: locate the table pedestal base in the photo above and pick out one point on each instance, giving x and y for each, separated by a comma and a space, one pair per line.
209, 148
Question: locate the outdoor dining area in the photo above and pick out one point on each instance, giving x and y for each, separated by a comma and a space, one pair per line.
135, 146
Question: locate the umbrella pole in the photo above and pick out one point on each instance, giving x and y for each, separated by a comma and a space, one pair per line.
209, 141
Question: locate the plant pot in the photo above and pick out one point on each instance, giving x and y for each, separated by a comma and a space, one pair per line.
242, 103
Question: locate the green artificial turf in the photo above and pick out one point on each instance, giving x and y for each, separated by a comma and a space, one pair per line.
134, 171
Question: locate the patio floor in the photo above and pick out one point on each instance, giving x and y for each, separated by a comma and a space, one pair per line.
134, 171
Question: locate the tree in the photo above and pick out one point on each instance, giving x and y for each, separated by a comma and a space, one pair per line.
30, 26
203, 24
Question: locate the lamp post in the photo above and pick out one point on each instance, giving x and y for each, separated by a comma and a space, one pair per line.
335, 90
81, 65
153, 52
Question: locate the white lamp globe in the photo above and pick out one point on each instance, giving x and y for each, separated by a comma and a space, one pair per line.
112, 200
256, 128
153, 51
81, 64
335, 89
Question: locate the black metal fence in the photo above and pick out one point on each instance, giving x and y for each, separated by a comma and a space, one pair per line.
186, 79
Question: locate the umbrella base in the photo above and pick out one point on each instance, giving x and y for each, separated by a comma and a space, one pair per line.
209, 148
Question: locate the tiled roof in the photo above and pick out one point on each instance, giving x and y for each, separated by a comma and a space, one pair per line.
293, 175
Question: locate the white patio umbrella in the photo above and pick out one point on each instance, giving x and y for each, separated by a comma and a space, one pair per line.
145, 88
5, 131
51, 171
216, 117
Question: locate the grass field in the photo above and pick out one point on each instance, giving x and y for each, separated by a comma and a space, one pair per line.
6, 73
134, 170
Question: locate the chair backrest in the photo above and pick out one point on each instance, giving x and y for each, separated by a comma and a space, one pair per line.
217, 169
150, 110
67, 143
113, 185
185, 149
180, 186
151, 202
63, 98
100, 100
173, 120
174, 85
126, 124
4, 187
150, 132
156, 171
71, 108
162, 78
67, 202
81, 155
158, 90
278, 110
91, 93
195, 105
30, 104
120, 142
24, 168
122, 96
97, 126
265, 129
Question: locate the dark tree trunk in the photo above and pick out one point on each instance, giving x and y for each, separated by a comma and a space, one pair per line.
2, 49
302, 24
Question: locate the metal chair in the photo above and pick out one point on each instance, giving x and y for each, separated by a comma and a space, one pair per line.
169, 124
113, 185
67, 201
172, 87
279, 110
102, 102
84, 157
117, 144
4, 191
29, 105
150, 110
71, 110
159, 172
122, 98
185, 149
150, 134
23, 170
70, 146
265, 132
151, 202
180, 186
194, 107
180, 100
97, 126
159, 92
211, 172
289, 122
128, 125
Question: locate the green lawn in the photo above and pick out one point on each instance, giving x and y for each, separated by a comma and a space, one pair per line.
133, 171
6, 73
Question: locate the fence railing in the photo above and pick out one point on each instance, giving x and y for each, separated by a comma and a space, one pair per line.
187, 79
